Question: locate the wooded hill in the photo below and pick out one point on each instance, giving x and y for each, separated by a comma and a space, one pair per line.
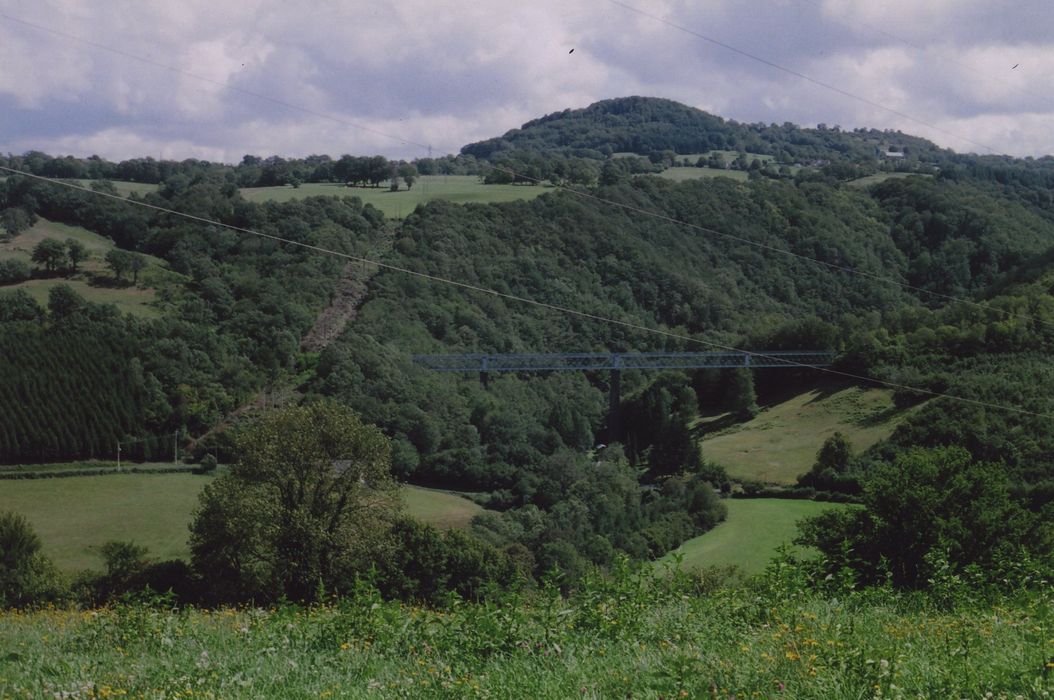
735, 271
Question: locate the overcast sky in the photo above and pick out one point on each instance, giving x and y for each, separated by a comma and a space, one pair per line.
448, 72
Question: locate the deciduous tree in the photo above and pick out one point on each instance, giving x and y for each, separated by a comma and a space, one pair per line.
307, 503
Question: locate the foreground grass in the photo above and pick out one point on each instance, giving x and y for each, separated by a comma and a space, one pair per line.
622, 638
749, 538
74, 516
460, 189
781, 442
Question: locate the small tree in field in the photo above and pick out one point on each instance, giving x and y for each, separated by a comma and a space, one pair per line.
120, 261
136, 263
25, 575
50, 253
310, 499
76, 253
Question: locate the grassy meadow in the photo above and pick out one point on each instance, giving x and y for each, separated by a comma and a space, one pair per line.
680, 174
632, 636
440, 508
749, 537
93, 280
125, 188
781, 442
74, 516
869, 180
461, 189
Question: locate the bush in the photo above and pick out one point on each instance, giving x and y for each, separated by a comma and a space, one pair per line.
208, 464
13, 271
26, 576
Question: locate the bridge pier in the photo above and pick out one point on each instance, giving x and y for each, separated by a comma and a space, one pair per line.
615, 402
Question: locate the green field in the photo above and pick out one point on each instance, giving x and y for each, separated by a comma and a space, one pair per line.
749, 538
461, 189
93, 279
869, 180
440, 508
125, 188
21, 246
682, 174
781, 442
75, 515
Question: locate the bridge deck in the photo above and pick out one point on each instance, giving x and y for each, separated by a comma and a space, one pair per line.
557, 362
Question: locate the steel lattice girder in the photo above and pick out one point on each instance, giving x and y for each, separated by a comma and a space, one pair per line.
641, 360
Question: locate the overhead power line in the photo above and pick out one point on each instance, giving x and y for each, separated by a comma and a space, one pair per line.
528, 301
930, 50
799, 74
885, 279
782, 251
579, 193
218, 83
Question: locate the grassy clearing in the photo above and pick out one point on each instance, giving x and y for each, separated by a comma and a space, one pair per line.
749, 538
125, 188
461, 189
93, 280
682, 174
21, 247
132, 300
440, 508
626, 639
869, 180
75, 515
781, 442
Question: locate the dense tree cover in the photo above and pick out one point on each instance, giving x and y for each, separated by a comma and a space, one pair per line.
565, 251
645, 125
72, 385
741, 277
231, 317
929, 509
252, 171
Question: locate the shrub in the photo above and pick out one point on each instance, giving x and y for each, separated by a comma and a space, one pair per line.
26, 576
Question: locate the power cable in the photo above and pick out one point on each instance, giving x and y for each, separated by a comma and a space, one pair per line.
529, 301
930, 50
782, 251
799, 74
576, 192
218, 83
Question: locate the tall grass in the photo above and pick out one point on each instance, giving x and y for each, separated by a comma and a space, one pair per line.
625, 635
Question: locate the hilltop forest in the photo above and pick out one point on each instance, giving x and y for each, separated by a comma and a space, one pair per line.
939, 281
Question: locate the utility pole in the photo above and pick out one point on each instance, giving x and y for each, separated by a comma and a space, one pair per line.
175, 448
118, 456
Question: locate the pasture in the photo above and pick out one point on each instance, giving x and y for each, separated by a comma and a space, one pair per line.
125, 188
460, 189
682, 174
74, 516
781, 442
93, 280
749, 538
869, 180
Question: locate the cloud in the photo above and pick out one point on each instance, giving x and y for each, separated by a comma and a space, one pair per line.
447, 72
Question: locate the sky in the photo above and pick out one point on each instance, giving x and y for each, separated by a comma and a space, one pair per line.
218, 79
